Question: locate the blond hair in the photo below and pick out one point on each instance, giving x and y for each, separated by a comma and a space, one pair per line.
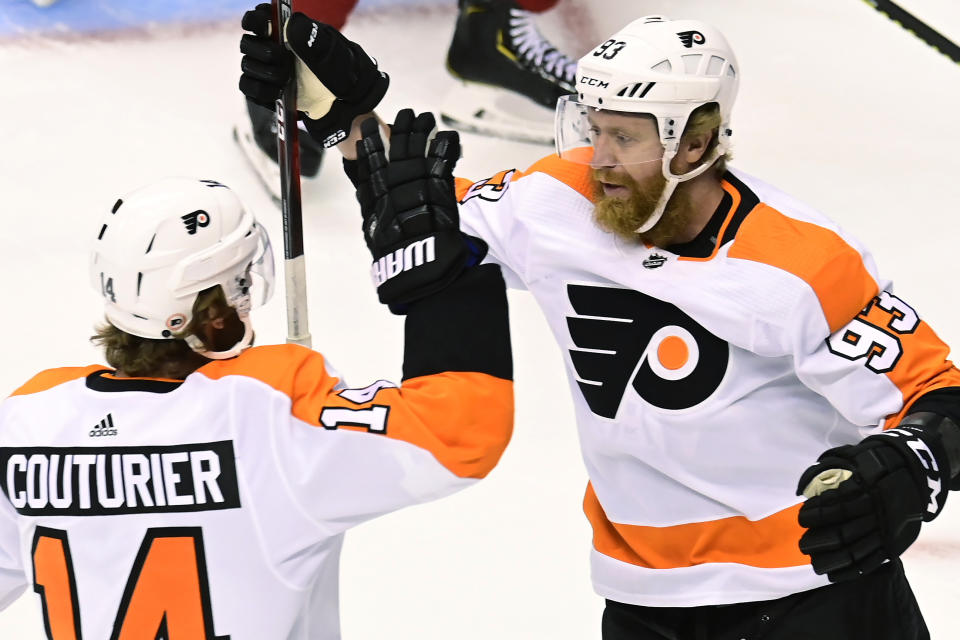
706, 119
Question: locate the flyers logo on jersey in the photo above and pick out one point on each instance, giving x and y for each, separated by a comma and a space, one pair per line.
625, 339
491, 189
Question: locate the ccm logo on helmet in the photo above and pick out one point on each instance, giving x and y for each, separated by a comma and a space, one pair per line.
594, 82
628, 342
690, 38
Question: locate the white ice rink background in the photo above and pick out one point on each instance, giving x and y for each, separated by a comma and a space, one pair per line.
838, 106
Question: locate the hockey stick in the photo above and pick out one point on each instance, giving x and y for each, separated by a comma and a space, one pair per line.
917, 27
288, 156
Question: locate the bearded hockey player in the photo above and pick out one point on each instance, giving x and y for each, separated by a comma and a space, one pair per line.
199, 487
720, 336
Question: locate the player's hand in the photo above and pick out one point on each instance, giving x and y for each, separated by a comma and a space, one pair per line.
336, 80
866, 502
410, 220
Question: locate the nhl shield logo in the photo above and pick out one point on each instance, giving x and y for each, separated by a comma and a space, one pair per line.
654, 261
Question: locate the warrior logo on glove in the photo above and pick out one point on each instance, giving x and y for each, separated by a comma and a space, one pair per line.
410, 219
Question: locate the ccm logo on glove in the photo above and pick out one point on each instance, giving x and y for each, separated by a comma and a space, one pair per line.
927, 461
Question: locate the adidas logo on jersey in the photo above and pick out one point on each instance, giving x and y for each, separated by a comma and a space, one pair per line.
413, 255
195, 219
105, 428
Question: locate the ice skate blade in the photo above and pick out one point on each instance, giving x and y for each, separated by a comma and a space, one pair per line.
492, 111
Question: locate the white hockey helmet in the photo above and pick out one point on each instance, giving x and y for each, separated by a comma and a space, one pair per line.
163, 244
656, 66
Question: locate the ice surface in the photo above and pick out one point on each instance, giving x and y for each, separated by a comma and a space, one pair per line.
838, 106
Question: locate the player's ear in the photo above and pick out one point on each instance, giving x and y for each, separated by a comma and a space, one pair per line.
693, 147
215, 322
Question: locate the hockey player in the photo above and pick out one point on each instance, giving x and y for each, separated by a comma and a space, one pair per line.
720, 337
496, 46
199, 487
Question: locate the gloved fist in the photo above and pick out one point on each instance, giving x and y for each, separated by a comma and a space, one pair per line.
410, 220
336, 80
866, 501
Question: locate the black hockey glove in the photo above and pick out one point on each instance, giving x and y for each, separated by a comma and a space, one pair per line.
866, 501
336, 80
409, 204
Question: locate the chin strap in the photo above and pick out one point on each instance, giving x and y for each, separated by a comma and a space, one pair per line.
723, 143
673, 181
197, 345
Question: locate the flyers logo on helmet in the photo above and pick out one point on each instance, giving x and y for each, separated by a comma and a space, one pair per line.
625, 338
194, 219
491, 189
690, 38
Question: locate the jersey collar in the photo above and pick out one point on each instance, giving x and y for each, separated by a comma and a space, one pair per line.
104, 380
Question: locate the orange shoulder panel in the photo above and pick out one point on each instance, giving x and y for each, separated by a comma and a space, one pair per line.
923, 364
294, 370
821, 258
575, 175
465, 419
54, 377
462, 185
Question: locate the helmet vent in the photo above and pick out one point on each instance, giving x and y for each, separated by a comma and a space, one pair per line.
150, 246
715, 68
103, 230
731, 71
691, 63
116, 206
139, 282
649, 19
662, 67
631, 90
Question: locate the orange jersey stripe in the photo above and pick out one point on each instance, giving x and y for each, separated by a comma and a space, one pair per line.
575, 175
54, 377
735, 198
464, 419
111, 376
818, 256
462, 185
923, 366
771, 542
291, 369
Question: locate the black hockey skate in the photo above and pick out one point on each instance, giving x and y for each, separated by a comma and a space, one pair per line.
497, 46
257, 137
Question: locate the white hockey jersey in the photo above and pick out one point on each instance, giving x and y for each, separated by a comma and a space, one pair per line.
707, 377
215, 507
